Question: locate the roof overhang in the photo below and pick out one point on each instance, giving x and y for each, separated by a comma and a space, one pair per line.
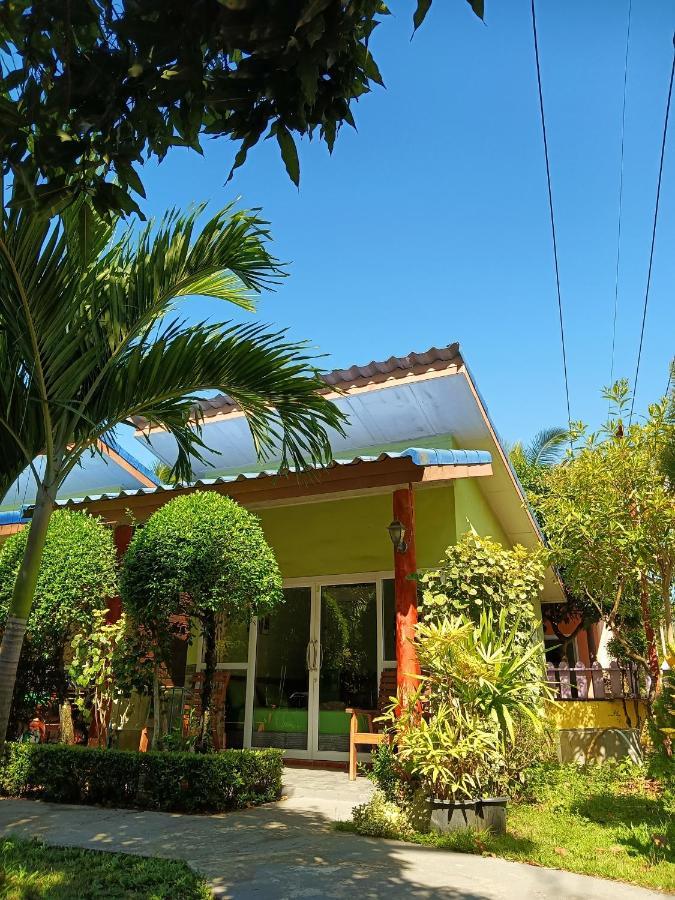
107, 467
360, 476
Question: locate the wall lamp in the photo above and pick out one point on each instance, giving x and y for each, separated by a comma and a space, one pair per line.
397, 534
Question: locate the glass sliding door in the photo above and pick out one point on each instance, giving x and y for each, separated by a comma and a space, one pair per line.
282, 678
232, 639
347, 660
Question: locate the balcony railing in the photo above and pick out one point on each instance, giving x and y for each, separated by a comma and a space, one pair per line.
619, 681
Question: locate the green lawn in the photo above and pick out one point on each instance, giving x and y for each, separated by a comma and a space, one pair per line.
30, 870
602, 822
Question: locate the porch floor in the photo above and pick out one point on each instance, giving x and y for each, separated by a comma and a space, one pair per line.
324, 791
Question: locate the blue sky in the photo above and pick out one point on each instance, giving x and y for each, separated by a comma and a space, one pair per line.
430, 224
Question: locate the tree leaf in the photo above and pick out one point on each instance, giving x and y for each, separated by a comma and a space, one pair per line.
85, 229
478, 6
423, 7
289, 153
312, 9
130, 177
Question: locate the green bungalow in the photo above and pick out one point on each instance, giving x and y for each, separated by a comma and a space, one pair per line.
420, 464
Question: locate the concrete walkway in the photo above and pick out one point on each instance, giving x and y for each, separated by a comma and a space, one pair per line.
290, 850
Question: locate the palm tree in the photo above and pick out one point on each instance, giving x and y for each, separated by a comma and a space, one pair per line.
545, 450
88, 340
164, 472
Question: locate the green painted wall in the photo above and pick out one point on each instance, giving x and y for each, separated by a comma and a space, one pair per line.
471, 509
339, 537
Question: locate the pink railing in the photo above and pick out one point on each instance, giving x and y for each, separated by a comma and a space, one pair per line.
581, 682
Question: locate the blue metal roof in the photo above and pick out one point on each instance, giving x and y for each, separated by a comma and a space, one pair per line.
425, 457
13, 517
419, 456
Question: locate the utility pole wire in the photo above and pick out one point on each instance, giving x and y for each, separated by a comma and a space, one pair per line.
651, 251
550, 208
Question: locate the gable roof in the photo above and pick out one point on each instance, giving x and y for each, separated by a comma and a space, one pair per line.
341, 379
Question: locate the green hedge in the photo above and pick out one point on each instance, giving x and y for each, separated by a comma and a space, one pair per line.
185, 782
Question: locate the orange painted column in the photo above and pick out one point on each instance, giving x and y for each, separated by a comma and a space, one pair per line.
405, 564
122, 536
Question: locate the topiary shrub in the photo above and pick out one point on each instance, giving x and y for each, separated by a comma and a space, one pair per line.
182, 782
199, 555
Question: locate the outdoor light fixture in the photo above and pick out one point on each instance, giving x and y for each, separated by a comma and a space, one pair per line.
397, 532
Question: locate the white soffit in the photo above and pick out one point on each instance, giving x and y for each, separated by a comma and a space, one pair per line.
96, 472
417, 409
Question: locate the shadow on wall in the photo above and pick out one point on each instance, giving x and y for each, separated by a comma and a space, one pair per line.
586, 745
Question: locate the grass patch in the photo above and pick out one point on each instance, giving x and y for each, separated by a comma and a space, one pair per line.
609, 821
30, 870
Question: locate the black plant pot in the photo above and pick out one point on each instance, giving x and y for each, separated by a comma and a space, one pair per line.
486, 813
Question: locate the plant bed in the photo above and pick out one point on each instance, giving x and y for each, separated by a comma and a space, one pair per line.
485, 814
182, 782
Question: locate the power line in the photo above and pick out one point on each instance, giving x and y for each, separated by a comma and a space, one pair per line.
618, 234
550, 208
651, 251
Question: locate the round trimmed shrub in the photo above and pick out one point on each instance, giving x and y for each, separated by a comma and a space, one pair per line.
200, 555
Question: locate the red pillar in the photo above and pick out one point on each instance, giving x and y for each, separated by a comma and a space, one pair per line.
405, 564
122, 535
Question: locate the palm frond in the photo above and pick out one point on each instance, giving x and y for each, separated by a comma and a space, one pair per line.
547, 446
83, 318
273, 381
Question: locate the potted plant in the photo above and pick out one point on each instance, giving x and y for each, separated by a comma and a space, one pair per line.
452, 736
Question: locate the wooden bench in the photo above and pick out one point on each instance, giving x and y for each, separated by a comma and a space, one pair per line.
374, 735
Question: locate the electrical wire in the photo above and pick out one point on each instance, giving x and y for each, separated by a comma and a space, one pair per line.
651, 251
618, 234
550, 208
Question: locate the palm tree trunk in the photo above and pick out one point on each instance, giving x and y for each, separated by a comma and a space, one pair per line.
19, 608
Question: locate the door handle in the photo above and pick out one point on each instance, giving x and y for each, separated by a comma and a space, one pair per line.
313, 661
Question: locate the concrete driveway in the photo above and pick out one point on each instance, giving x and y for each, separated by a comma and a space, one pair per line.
290, 850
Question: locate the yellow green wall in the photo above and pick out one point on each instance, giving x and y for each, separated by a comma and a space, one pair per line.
472, 510
582, 714
340, 537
